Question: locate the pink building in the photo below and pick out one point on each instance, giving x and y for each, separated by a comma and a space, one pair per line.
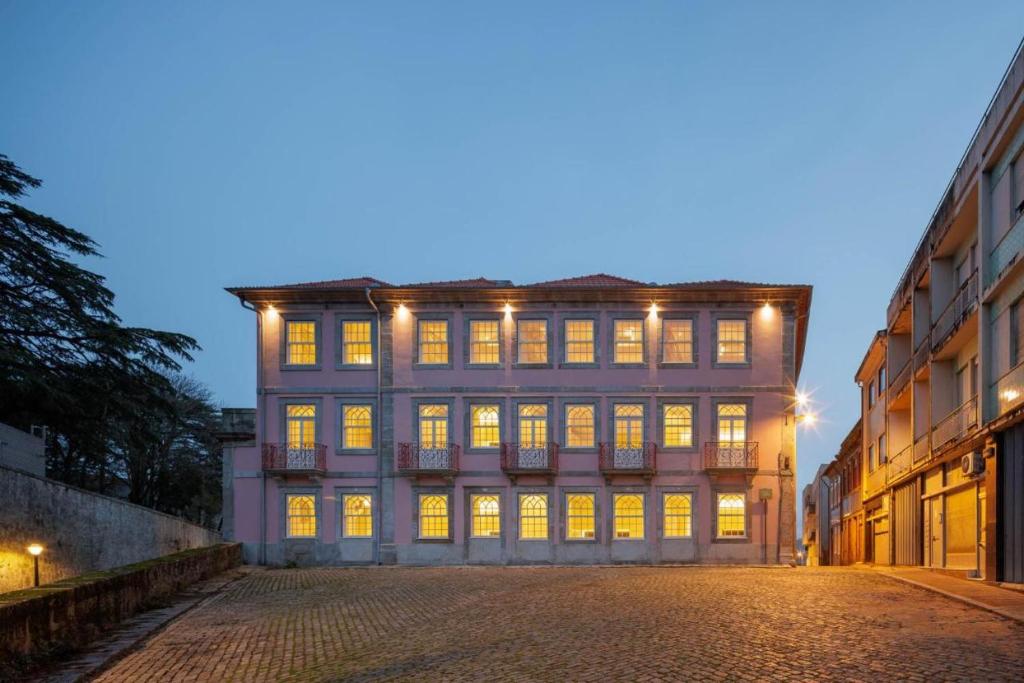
587, 420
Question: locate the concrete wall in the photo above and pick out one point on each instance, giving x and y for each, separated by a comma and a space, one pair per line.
22, 451
81, 531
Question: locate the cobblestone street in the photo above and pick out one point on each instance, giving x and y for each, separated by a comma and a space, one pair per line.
637, 623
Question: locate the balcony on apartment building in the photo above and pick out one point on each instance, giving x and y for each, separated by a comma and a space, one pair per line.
851, 502
949, 326
899, 464
731, 457
297, 459
899, 381
519, 459
627, 459
1010, 389
416, 459
922, 354
955, 426
1006, 254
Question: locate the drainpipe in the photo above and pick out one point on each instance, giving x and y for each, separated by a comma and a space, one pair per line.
262, 425
378, 430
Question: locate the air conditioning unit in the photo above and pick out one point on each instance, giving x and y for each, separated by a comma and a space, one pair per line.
972, 464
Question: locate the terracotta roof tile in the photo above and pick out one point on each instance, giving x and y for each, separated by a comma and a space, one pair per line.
594, 280
347, 283
456, 284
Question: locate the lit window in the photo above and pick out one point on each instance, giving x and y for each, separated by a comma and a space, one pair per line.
677, 336
533, 426
579, 426
485, 432
486, 516
357, 427
300, 342
483, 342
732, 341
629, 341
732, 515
433, 516
301, 516
629, 515
678, 426
678, 515
732, 424
434, 426
533, 341
357, 521
629, 426
301, 425
433, 342
579, 516
579, 341
356, 345
533, 516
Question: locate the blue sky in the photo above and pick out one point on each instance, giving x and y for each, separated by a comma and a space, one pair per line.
213, 144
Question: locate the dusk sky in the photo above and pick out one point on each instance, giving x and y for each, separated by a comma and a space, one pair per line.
213, 144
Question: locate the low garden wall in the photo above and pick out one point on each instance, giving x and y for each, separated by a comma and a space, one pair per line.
67, 614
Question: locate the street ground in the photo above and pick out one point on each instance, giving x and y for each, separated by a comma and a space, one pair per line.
559, 623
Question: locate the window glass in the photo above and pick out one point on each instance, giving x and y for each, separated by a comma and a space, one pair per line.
579, 516
357, 427
629, 426
486, 516
300, 340
629, 341
301, 425
579, 341
678, 419
356, 345
732, 424
678, 515
678, 341
433, 342
732, 515
533, 341
358, 515
485, 429
433, 516
483, 342
629, 515
533, 426
301, 516
579, 426
533, 516
732, 341
434, 426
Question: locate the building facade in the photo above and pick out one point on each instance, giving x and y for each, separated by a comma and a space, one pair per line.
816, 520
586, 420
943, 384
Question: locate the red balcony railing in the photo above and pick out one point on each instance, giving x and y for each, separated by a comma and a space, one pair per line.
639, 459
730, 455
414, 458
284, 458
517, 458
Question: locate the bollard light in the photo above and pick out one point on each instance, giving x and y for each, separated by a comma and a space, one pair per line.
35, 550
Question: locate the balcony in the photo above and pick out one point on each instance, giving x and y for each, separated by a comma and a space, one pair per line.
1010, 390
922, 354
922, 449
518, 459
731, 457
1006, 253
299, 459
956, 425
899, 381
614, 459
416, 460
851, 502
960, 307
898, 465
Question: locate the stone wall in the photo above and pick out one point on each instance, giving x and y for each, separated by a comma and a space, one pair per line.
69, 613
81, 531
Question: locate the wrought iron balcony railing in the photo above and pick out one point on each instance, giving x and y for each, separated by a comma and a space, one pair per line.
899, 464
730, 455
518, 458
956, 312
638, 459
956, 425
415, 458
285, 458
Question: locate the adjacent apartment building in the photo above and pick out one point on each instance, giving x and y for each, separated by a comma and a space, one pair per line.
585, 420
943, 384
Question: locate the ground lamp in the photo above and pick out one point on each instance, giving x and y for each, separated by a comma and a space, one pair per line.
35, 550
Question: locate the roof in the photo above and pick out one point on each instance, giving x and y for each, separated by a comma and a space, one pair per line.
594, 280
454, 284
347, 283
877, 344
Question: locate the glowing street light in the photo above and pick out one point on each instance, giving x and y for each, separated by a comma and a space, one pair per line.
35, 550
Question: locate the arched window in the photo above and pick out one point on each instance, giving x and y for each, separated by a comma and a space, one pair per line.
486, 426
486, 516
678, 515
732, 515
579, 516
629, 515
357, 511
533, 516
579, 426
732, 424
678, 426
301, 425
433, 516
629, 426
301, 516
533, 426
357, 427
434, 426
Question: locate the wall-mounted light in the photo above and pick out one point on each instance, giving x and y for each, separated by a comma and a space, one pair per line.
767, 312
35, 550
508, 310
402, 312
652, 312
270, 311
801, 399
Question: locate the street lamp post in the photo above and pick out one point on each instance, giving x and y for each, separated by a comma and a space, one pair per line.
35, 550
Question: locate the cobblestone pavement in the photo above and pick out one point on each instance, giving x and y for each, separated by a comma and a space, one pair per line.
554, 623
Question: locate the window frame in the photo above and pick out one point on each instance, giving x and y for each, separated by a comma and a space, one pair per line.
339, 346
339, 494
564, 404
526, 400
563, 344
729, 491
285, 493
694, 493
717, 401
470, 494
522, 493
342, 403
300, 317
432, 317
628, 317
692, 316
418, 492
318, 418
415, 405
533, 316
467, 408
594, 493
467, 340
615, 494
644, 422
693, 402
746, 317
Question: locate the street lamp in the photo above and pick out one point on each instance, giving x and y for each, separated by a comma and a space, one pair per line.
35, 550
